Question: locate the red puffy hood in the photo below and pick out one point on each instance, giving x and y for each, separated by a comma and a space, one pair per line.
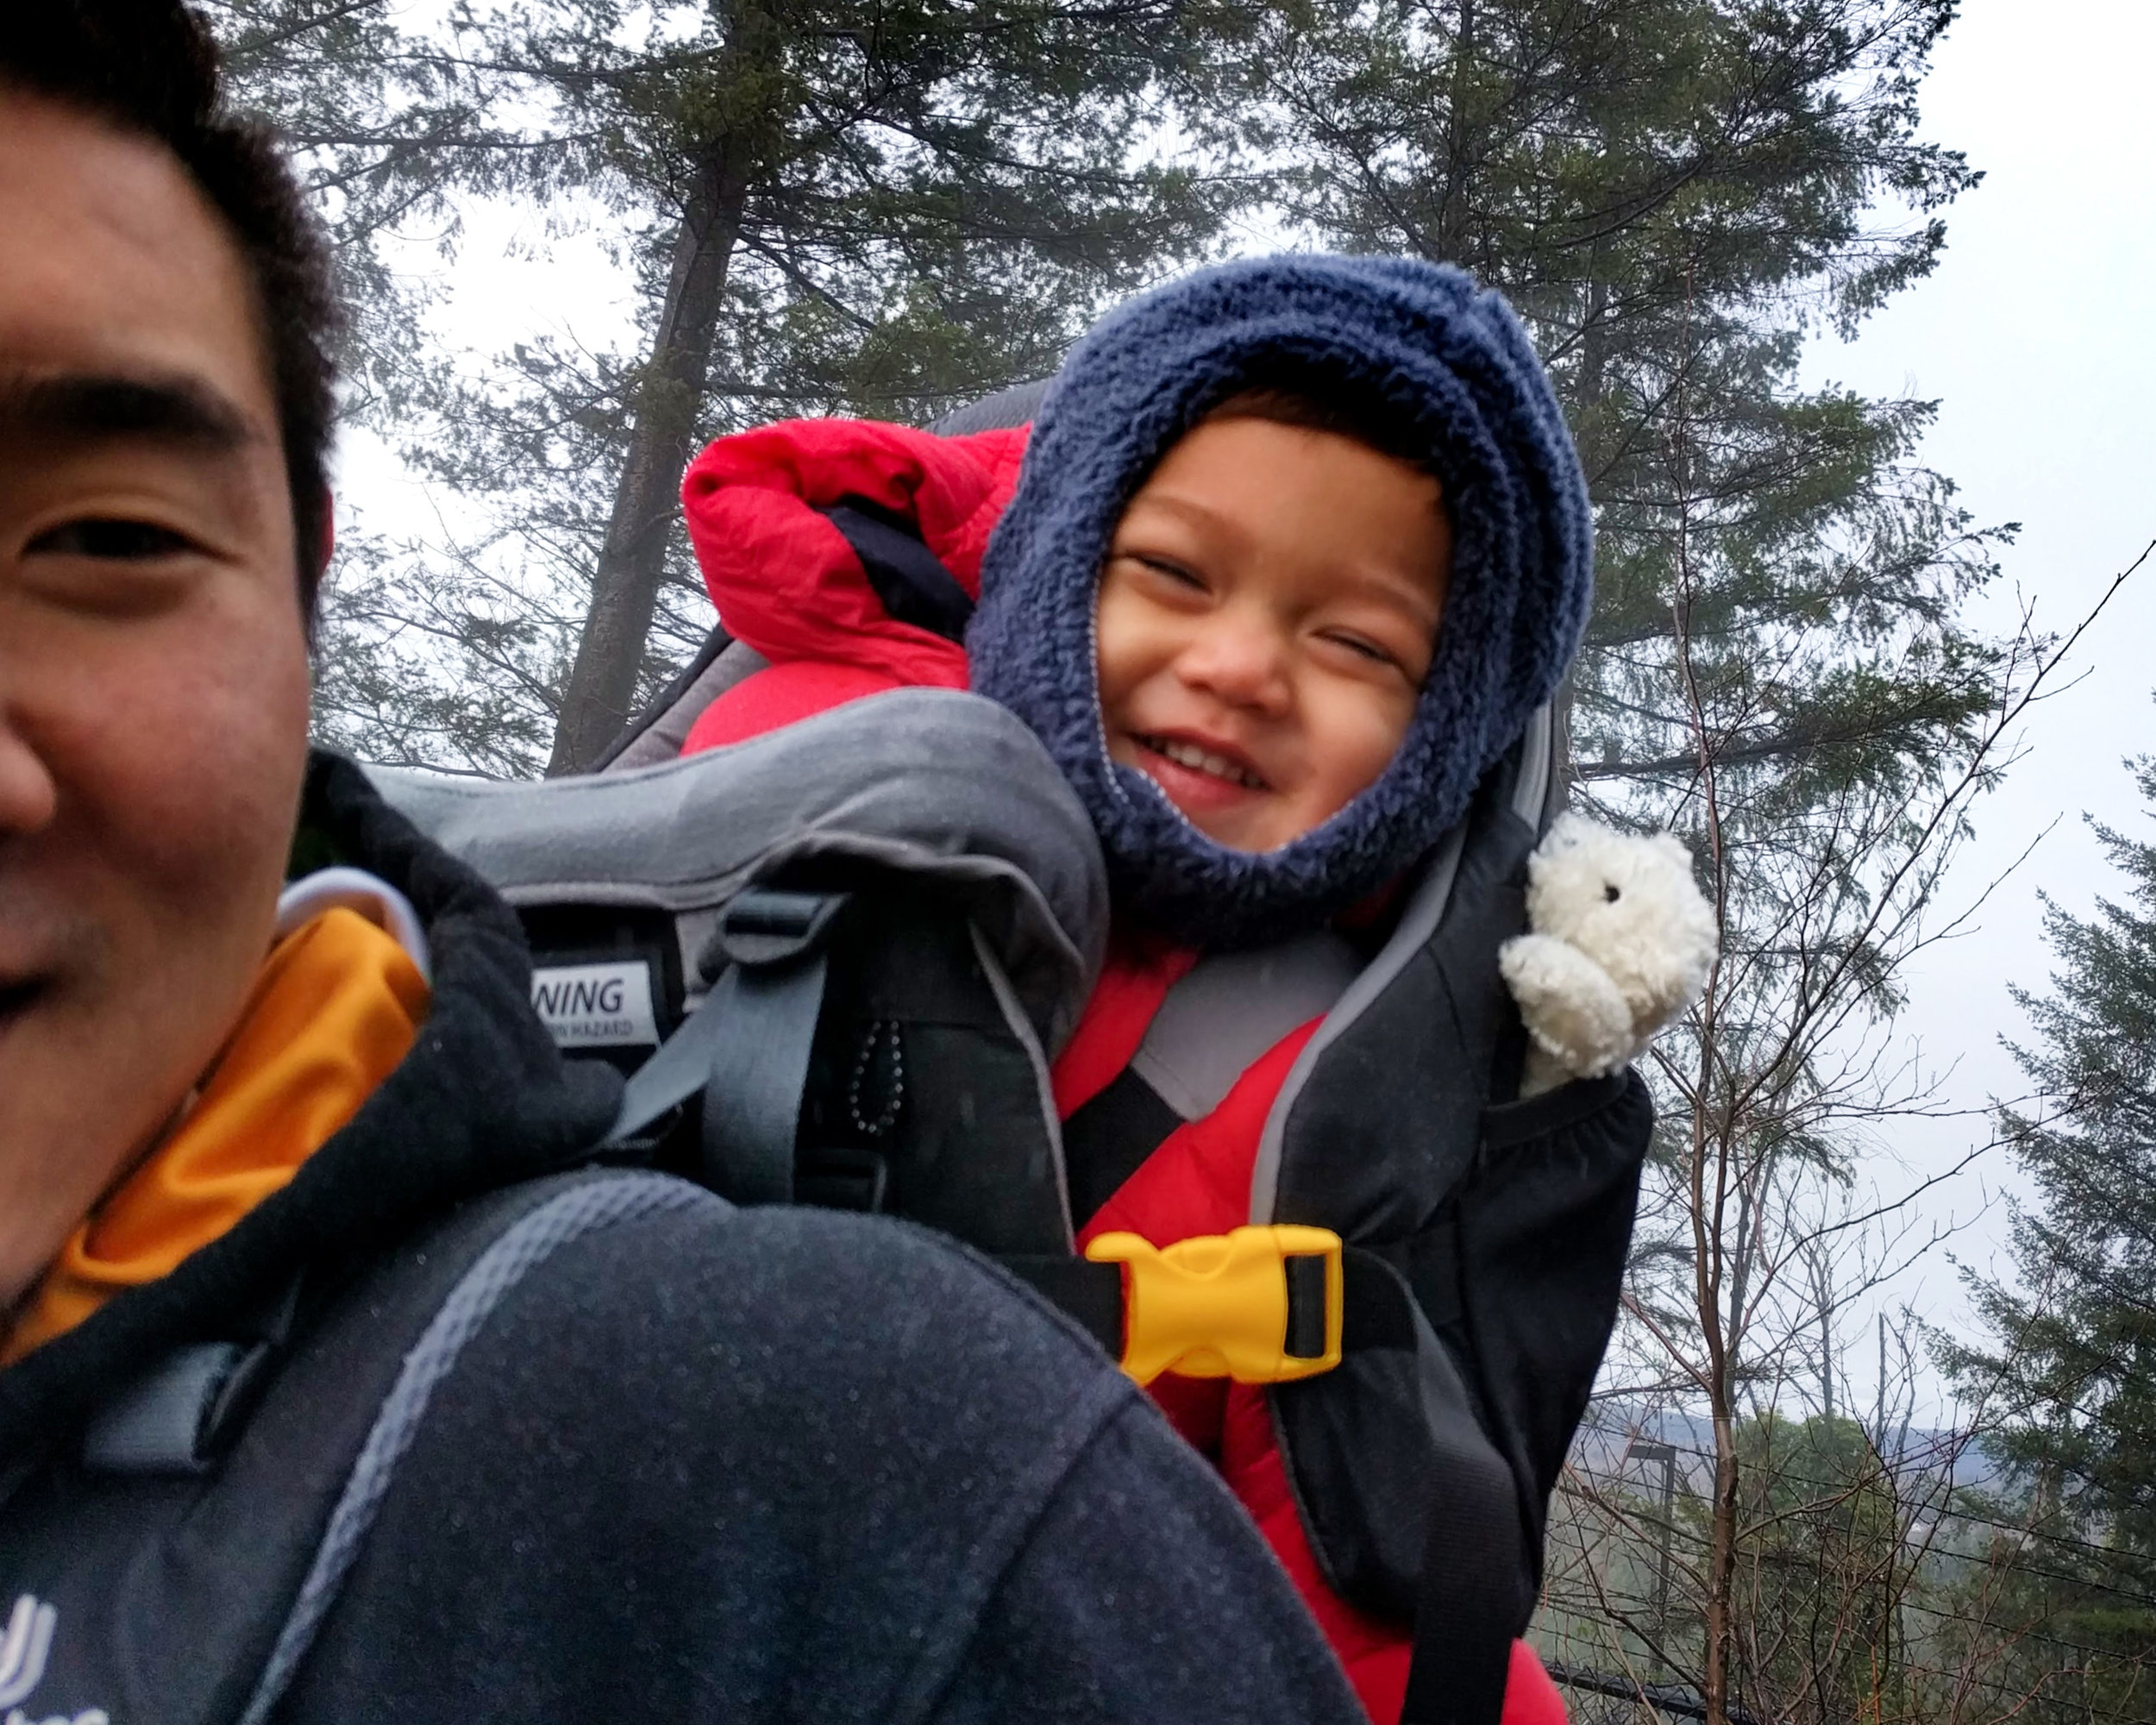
787, 583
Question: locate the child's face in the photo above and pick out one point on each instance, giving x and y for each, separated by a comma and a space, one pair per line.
1267, 614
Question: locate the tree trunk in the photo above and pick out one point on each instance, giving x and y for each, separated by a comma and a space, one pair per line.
1721, 1565
632, 562
1595, 332
1720, 1308
1716, 1321
1453, 211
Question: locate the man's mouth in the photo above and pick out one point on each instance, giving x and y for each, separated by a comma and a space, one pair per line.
1200, 759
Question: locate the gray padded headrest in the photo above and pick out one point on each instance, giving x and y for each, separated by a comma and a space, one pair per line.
1001, 412
935, 784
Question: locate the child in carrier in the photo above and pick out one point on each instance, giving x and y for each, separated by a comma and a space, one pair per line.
1294, 550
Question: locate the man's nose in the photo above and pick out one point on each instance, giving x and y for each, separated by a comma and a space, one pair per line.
1239, 655
29, 797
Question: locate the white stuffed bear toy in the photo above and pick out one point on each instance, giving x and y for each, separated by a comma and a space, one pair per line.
1622, 942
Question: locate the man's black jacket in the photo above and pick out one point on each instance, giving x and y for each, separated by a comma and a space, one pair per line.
698, 1463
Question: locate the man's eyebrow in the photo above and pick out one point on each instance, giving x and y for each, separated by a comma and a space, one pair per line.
77, 406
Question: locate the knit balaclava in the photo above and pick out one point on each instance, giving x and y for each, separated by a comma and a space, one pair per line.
1447, 361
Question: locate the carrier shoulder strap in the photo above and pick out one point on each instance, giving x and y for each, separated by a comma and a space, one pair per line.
177, 1418
747, 1048
557, 1213
1477, 1589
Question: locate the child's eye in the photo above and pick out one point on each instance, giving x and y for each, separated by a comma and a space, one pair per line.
1174, 572
1362, 648
110, 540
1166, 579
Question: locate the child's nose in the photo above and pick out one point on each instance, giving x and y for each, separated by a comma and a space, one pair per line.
1240, 657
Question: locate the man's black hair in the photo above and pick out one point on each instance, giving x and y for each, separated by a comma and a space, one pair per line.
151, 66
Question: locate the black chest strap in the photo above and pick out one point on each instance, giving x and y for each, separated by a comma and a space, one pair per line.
1218, 1019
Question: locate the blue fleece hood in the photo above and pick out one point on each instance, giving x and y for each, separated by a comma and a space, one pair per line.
1454, 363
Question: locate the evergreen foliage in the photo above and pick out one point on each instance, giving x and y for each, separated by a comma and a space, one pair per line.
890, 209
1674, 193
1823, 1561
2070, 1378
383, 142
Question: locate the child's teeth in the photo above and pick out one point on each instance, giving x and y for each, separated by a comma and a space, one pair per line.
1204, 761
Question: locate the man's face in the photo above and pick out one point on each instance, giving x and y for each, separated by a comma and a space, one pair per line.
1267, 612
153, 661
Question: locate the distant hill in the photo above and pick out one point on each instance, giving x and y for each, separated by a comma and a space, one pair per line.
1612, 1428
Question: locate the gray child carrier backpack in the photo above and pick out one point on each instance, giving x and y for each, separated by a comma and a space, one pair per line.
836, 961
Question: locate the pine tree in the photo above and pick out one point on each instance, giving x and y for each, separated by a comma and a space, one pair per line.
382, 139
1823, 1554
2069, 1377
415, 662
876, 207
1674, 193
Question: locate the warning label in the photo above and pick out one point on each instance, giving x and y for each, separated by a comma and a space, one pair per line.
596, 1005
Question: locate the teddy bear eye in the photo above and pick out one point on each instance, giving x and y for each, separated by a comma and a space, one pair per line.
1610, 894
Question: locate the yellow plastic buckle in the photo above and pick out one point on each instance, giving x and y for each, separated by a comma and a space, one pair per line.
1216, 1305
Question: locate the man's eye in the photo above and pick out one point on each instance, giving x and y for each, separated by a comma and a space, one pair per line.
113, 540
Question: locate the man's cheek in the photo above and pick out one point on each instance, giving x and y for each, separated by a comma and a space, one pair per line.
206, 759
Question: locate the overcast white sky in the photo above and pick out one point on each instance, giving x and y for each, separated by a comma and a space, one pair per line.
2035, 335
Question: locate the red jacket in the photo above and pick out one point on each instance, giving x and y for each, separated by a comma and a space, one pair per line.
786, 582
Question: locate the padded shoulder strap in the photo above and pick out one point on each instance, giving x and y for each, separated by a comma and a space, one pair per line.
1477, 1588
1232, 1007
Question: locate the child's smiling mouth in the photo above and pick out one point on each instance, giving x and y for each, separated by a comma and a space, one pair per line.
1214, 770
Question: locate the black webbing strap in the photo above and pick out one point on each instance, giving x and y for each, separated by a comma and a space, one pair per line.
157, 1424
752, 1103
1090, 1293
1476, 1595
1478, 1580
908, 578
680, 1068
1108, 1139
1376, 1310
177, 1416
747, 1047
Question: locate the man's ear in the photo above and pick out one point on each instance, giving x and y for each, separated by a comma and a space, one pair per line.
328, 548
313, 573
